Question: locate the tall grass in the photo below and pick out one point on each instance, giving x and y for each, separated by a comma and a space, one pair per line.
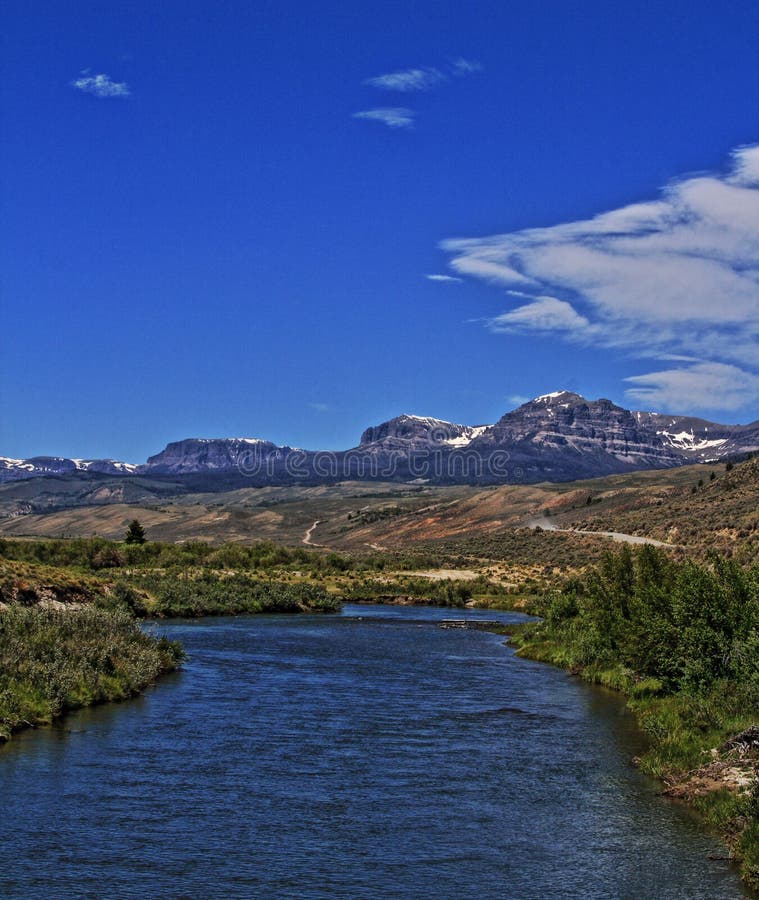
52, 661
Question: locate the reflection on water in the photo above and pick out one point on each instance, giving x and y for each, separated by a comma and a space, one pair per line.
348, 757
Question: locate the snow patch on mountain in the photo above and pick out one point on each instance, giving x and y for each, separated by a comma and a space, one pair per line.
469, 434
687, 440
110, 466
7, 463
428, 420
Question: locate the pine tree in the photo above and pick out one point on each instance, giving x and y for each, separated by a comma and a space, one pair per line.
135, 533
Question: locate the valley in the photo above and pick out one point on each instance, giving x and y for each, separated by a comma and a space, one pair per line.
690, 507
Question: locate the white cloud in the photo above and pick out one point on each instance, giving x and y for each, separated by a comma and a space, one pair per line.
673, 277
420, 78
517, 399
545, 314
463, 66
101, 85
392, 116
407, 80
706, 385
746, 161
320, 407
443, 278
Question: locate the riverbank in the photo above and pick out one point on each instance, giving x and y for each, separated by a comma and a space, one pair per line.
53, 661
681, 642
71, 638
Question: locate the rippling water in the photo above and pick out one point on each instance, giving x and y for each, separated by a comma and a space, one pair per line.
347, 756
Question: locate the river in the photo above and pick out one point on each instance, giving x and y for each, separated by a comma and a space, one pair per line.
371, 754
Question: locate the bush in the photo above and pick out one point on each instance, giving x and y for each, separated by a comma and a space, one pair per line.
685, 624
211, 594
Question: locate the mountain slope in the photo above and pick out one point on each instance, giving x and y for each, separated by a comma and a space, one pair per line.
556, 437
563, 436
711, 513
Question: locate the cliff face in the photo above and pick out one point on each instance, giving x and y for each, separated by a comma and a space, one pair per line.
207, 455
557, 437
562, 436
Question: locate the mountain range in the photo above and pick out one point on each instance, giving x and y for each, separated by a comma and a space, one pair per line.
559, 436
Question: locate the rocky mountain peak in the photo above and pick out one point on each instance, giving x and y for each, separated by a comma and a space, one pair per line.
556, 398
408, 430
206, 454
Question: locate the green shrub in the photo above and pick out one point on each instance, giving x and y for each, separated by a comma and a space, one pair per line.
205, 594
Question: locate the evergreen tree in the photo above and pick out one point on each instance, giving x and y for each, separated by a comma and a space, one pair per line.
135, 533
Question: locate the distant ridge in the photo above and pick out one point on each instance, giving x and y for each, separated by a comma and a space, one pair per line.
560, 436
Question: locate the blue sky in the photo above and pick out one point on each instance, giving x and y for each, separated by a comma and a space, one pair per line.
220, 217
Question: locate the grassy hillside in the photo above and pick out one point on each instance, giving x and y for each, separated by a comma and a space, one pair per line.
717, 510
45, 507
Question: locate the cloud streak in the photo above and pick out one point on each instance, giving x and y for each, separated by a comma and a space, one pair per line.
461, 67
676, 276
544, 314
422, 78
718, 385
407, 80
443, 278
100, 86
392, 116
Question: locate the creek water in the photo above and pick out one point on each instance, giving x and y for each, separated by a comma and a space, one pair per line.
368, 754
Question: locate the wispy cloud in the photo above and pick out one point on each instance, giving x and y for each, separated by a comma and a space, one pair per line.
546, 314
463, 66
673, 277
320, 407
716, 385
407, 80
100, 85
392, 116
444, 278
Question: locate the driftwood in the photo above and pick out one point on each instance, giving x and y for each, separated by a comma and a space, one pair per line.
744, 742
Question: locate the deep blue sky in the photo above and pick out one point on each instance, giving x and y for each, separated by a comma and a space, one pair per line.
228, 251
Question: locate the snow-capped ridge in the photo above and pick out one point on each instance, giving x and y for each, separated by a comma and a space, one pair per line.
94, 465
546, 398
17, 469
426, 420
